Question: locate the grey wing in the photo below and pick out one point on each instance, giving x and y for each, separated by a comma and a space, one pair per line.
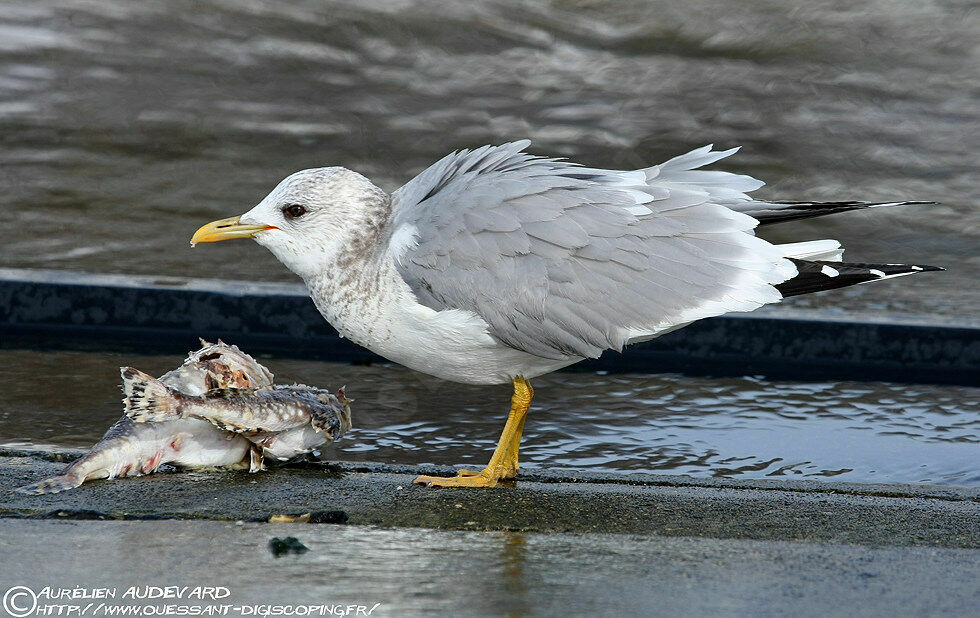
566, 261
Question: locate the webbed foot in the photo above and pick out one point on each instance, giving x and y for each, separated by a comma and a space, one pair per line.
466, 478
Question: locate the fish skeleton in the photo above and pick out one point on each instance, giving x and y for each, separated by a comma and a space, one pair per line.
129, 448
253, 412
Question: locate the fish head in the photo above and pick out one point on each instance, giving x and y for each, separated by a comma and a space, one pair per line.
220, 375
341, 406
218, 365
239, 369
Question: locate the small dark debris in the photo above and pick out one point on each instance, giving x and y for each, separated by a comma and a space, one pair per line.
149, 517
89, 514
328, 517
83, 514
280, 547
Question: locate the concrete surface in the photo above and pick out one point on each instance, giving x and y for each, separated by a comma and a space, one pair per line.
414, 572
905, 515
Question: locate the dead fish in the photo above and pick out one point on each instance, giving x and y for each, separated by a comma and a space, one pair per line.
132, 449
254, 412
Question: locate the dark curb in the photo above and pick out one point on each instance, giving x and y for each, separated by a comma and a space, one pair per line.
78, 311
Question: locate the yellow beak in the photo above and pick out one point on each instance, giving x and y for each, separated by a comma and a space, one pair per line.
227, 229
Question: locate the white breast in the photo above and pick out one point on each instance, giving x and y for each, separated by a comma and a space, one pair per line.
380, 312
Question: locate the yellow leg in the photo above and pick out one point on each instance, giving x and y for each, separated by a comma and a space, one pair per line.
503, 463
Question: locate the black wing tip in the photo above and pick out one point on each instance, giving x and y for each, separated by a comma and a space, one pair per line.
853, 203
875, 269
818, 276
791, 210
903, 268
901, 203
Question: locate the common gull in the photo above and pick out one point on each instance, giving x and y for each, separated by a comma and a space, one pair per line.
496, 266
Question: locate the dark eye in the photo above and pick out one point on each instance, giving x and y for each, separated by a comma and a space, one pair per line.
293, 211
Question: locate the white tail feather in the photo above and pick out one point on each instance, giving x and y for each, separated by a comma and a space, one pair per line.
826, 250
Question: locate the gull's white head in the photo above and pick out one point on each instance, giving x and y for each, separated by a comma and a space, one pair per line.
310, 220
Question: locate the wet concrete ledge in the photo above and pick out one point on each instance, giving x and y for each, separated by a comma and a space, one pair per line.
77, 311
542, 501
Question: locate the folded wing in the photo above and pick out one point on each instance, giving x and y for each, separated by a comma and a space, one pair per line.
566, 261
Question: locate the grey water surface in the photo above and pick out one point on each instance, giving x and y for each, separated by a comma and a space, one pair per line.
730, 427
126, 125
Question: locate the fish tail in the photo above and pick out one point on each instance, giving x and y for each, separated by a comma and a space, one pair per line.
148, 400
52, 485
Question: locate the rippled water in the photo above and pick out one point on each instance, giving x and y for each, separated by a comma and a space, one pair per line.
125, 125
747, 428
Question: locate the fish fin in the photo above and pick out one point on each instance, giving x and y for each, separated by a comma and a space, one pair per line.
256, 459
148, 400
152, 463
342, 396
52, 485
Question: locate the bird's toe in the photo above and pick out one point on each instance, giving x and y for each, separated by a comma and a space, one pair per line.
473, 479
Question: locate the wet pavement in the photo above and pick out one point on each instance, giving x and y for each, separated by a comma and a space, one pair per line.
415, 572
374, 494
545, 547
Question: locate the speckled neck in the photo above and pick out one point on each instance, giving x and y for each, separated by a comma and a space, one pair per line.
360, 282
356, 259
